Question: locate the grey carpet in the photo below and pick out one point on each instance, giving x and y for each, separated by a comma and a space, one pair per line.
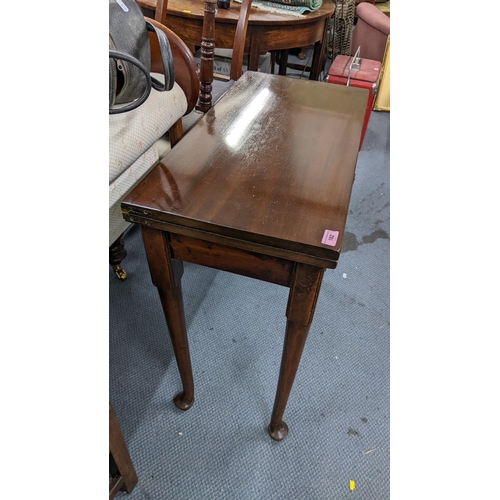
338, 411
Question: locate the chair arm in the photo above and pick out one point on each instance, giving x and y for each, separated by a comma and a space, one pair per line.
185, 69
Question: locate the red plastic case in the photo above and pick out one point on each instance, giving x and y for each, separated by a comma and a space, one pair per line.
367, 77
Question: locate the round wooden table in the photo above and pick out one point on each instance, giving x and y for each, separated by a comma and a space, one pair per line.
266, 30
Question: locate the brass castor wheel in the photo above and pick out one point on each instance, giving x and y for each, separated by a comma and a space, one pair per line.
120, 273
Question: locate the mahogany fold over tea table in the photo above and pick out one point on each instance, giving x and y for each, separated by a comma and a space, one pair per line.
260, 186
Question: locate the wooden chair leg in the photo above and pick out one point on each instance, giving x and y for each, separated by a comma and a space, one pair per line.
301, 55
117, 253
175, 132
273, 61
121, 469
283, 61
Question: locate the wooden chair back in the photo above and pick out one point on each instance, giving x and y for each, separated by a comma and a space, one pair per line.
161, 11
158, 13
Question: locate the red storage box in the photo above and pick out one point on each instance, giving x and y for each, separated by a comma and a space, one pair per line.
366, 77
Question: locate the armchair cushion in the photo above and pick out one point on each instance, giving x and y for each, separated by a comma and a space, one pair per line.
133, 133
371, 32
127, 180
375, 18
138, 139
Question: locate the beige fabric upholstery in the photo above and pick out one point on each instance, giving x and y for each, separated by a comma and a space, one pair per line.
137, 140
124, 184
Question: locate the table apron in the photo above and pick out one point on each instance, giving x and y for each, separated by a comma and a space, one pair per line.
234, 260
190, 30
279, 37
269, 37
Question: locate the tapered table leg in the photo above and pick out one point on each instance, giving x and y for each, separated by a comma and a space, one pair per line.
304, 290
166, 275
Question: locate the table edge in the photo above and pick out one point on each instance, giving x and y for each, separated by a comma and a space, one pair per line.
278, 248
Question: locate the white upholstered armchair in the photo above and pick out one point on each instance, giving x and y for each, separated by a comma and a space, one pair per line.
138, 139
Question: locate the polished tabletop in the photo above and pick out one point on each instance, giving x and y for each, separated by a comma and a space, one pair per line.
271, 165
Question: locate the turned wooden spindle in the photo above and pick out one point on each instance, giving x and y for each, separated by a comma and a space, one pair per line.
207, 57
208, 49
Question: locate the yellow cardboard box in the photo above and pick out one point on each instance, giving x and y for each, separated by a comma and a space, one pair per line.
383, 100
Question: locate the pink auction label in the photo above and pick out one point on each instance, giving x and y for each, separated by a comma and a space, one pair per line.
330, 237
